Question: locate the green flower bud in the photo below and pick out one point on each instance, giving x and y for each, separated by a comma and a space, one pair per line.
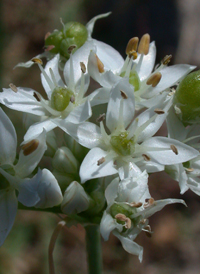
187, 99
60, 98
72, 34
122, 145
121, 208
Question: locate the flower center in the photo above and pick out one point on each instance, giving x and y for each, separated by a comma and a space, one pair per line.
133, 79
60, 98
122, 145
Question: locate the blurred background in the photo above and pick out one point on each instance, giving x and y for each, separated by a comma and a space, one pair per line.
174, 25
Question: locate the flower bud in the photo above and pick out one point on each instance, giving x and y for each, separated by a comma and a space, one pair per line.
64, 161
75, 199
72, 34
187, 99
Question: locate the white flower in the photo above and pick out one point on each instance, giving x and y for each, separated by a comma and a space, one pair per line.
148, 82
188, 173
65, 102
130, 140
129, 207
42, 190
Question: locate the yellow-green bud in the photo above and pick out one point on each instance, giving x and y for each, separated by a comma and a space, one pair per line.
134, 79
187, 99
60, 98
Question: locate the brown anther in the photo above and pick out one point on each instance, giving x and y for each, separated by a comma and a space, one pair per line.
128, 223
149, 202
143, 47
83, 67
189, 169
71, 48
133, 54
159, 111
139, 204
148, 231
13, 87
101, 117
30, 147
37, 61
47, 35
174, 149
72, 99
120, 217
49, 48
154, 79
37, 96
123, 94
146, 157
99, 64
132, 45
165, 61
101, 161
143, 221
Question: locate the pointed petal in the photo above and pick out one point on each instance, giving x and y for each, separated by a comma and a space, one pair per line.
80, 114
90, 24
29, 160
130, 246
166, 156
8, 210
99, 96
22, 100
111, 191
107, 225
113, 110
89, 168
8, 139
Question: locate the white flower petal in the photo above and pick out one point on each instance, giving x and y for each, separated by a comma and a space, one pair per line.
90, 24
130, 246
113, 110
89, 168
22, 100
166, 156
28, 162
8, 139
8, 210
99, 96
112, 191
80, 114
107, 225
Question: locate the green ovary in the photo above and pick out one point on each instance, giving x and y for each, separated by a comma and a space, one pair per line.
133, 79
122, 145
60, 98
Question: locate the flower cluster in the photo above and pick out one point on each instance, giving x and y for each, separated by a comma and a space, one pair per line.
101, 166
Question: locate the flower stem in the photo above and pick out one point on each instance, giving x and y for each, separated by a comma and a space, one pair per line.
93, 246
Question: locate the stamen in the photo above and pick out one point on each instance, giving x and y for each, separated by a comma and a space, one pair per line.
101, 161
37, 96
99, 64
139, 204
174, 149
71, 48
128, 223
83, 67
159, 111
166, 59
123, 94
120, 217
30, 147
72, 99
149, 202
101, 117
132, 47
37, 61
53, 77
146, 157
189, 169
13, 87
143, 47
147, 230
154, 79
47, 35
143, 221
